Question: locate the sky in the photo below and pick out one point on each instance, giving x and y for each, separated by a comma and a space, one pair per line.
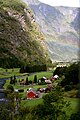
70, 3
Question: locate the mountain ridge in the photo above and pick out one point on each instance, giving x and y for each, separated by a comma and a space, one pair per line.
57, 25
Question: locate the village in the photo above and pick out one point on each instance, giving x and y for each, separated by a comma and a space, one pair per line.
44, 85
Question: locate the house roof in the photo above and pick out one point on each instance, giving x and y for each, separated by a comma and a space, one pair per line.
31, 90
48, 81
56, 76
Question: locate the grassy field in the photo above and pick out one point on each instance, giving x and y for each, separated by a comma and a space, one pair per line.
48, 74
9, 72
15, 71
72, 109
31, 103
73, 103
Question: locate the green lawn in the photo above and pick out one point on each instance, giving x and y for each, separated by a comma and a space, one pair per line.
31, 103
72, 109
9, 72
47, 74
74, 104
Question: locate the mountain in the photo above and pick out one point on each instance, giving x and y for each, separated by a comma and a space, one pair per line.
60, 28
21, 41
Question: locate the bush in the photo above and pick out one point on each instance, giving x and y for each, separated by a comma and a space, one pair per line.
10, 87
30, 82
68, 87
75, 116
21, 90
71, 94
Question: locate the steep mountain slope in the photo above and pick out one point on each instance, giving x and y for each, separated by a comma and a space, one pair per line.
21, 41
58, 26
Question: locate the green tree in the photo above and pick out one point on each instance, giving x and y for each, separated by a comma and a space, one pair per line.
27, 82
35, 79
71, 75
53, 107
75, 116
10, 87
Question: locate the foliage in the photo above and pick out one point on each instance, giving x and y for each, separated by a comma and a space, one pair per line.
20, 39
35, 78
71, 75
60, 71
7, 73
10, 62
68, 87
52, 107
7, 111
21, 90
10, 87
16, 5
71, 94
13, 80
75, 116
27, 82
4, 113
34, 68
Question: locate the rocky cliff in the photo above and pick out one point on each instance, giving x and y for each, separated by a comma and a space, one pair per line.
60, 25
21, 41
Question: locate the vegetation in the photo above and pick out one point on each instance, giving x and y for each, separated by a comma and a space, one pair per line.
9, 72
34, 68
54, 103
20, 38
69, 76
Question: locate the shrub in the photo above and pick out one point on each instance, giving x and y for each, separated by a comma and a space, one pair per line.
71, 94
10, 87
68, 87
21, 90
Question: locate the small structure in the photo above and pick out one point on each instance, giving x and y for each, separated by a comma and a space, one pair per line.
42, 90
48, 81
32, 94
55, 77
42, 80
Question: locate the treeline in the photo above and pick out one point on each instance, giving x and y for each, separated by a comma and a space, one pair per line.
10, 62
34, 68
69, 75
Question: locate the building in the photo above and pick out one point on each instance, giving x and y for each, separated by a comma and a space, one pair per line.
32, 94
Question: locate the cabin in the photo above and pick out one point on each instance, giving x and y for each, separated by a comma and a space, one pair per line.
55, 77
48, 81
32, 94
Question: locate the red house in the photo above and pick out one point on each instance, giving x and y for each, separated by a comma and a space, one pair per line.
32, 94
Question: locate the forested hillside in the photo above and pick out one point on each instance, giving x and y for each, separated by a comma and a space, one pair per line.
21, 42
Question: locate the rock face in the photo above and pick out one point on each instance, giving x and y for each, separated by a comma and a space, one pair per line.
60, 26
21, 41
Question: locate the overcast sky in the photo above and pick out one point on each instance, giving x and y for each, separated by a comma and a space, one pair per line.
70, 3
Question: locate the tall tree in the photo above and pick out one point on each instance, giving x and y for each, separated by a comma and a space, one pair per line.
27, 82
53, 107
35, 79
